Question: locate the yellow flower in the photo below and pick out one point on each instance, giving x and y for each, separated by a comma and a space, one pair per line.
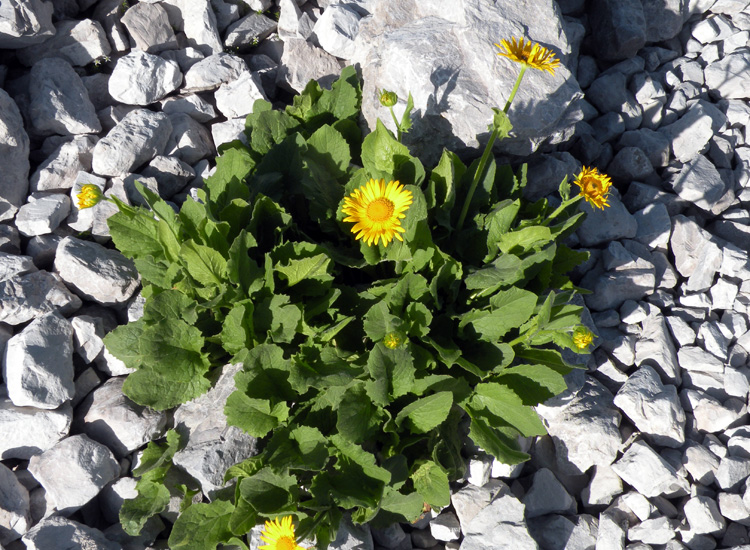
377, 210
279, 535
582, 337
392, 340
88, 196
388, 99
594, 186
529, 54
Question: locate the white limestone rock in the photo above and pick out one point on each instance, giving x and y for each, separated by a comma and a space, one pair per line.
336, 30
14, 150
96, 273
703, 515
26, 297
224, 132
733, 508
653, 407
77, 42
547, 495
191, 104
38, 364
25, 22
302, 62
605, 484
658, 530
249, 31
711, 415
700, 183
189, 140
470, 500
15, 511
236, 98
140, 78
694, 358
697, 256
445, 527
655, 348
649, 473
74, 471
12, 265
60, 169
43, 215
197, 20
137, 138
211, 72
736, 64
701, 463
56, 533
149, 27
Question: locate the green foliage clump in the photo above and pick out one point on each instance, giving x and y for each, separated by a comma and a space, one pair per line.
365, 368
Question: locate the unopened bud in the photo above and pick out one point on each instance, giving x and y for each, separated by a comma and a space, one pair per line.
388, 99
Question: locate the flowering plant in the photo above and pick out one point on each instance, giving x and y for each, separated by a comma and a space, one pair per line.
384, 313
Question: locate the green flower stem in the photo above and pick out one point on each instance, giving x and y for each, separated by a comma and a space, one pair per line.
486, 155
560, 208
396, 122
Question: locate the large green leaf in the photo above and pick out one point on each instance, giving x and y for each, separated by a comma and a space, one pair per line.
270, 493
205, 265
265, 374
426, 413
257, 417
202, 526
504, 403
431, 482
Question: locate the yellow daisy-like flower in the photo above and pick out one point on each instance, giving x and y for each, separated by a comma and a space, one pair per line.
594, 186
529, 54
582, 337
377, 210
88, 196
279, 535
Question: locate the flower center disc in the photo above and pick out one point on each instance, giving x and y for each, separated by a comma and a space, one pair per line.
380, 210
592, 186
285, 543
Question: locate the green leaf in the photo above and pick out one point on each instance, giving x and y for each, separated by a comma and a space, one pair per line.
431, 482
158, 455
564, 189
378, 322
204, 264
152, 499
391, 372
498, 223
426, 413
160, 391
134, 232
405, 124
382, 154
503, 402
270, 493
255, 416
524, 239
501, 123
161, 274
237, 330
124, 343
535, 383
358, 419
265, 374
503, 271
202, 526
241, 269
409, 507
312, 267
492, 440
359, 456
511, 309
268, 126
170, 304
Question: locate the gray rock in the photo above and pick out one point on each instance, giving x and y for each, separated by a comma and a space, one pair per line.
736, 64
711, 415
28, 296
654, 226
42, 249
14, 150
60, 169
445, 527
77, 42
654, 531
654, 144
630, 278
293, 23
74, 471
546, 174
470, 500
630, 163
115, 421
606, 225
302, 62
111, 365
12, 265
212, 446
38, 364
648, 473
43, 215
113, 495
700, 463
226, 14
224, 132
734, 232
555, 532
417, 47
249, 31
689, 135
697, 257
352, 537
56, 533
703, 515
694, 358
198, 21
192, 105
713, 29
188, 140
236, 98
27, 431
653, 407
336, 30
15, 512
478, 470
604, 486
140, 78
502, 520
58, 100
171, 174
185, 58
547, 495
583, 424
608, 127
619, 28
393, 537
213, 71
96, 273
10, 241
25, 22
149, 28
700, 183
137, 139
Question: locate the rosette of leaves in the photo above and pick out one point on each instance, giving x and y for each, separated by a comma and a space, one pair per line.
262, 270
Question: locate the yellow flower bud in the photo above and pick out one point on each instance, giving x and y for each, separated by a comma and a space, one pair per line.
89, 195
582, 337
392, 340
388, 99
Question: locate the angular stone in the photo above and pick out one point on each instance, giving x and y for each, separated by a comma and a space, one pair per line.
700, 183
631, 278
619, 28
713, 29
12, 265
402, 47
58, 100
470, 500
213, 71
336, 30
14, 150
249, 31
212, 445
60, 169
583, 424
653, 407
171, 175
557, 532
224, 132
654, 144
736, 64
25, 22
56, 533
302, 62
115, 421
547, 495
188, 140
445, 527
604, 486
654, 531
711, 415
612, 223
15, 512
501, 520
696, 254
149, 27
689, 134
43, 215
198, 21
612, 530
701, 463
140, 78
654, 225
649, 473
28, 296
27, 431
350, 536
77, 42
96, 273
192, 105
694, 358
74, 471
630, 163
137, 138
38, 364
236, 98
702, 513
